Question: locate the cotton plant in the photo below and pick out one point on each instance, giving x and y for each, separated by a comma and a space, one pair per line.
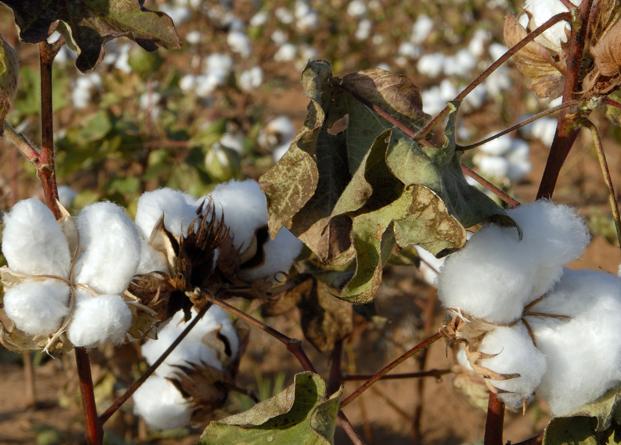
194, 380
529, 326
277, 136
66, 281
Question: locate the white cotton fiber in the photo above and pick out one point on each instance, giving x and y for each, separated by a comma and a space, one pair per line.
178, 210
37, 307
553, 235
161, 405
244, 207
280, 253
32, 241
99, 319
109, 248
584, 352
516, 354
429, 266
192, 349
151, 260
490, 278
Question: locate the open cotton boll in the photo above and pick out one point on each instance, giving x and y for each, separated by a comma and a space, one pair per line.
151, 260
243, 206
280, 254
109, 248
498, 146
192, 349
178, 210
161, 405
554, 235
543, 10
519, 160
98, 319
516, 354
432, 64
584, 352
493, 166
37, 307
490, 277
33, 242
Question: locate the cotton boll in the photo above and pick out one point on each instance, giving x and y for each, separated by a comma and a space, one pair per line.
543, 10
177, 209
98, 319
279, 37
161, 405
234, 141
239, 42
251, 79
109, 248
285, 53
66, 195
192, 349
516, 354
218, 66
284, 15
151, 260
280, 151
431, 65
584, 352
477, 44
356, 8
490, 278
421, 29
244, 208
519, 161
498, 146
259, 19
363, 31
280, 254
188, 82
542, 129
193, 37
492, 166
33, 242
496, 50
37, 307
409, 49
460, 64
553, 235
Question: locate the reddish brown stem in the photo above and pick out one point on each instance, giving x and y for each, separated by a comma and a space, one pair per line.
494, 421
435, 373
390, 366
493, 67
293, 345
114, 407
94, 433
612, 103
45, 170
566, 130
504, 197
335, 379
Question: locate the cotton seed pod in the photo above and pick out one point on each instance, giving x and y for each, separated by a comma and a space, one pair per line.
222, 163
9, 68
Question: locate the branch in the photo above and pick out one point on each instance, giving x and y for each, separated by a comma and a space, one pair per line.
566, 131
134, 386
519, 125
511, 202
22, 143
390, 366
493, 67
494, 421
603, 165
435, 373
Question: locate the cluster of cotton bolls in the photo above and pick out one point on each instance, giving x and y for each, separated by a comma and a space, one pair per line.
504, 157
217, 70
530, 325
158, 401
69, 277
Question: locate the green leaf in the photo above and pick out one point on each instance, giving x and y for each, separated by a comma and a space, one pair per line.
352, 185
301, 414
91, 23
570, 431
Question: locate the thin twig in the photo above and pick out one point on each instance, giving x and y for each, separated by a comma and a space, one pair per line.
566, 130
390, 366
519, 125
344, 423
335, 378
493, 67
94, 432
22, 143
511, 202
134, 386
494, 421
293, 345
435, 373
603, 165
